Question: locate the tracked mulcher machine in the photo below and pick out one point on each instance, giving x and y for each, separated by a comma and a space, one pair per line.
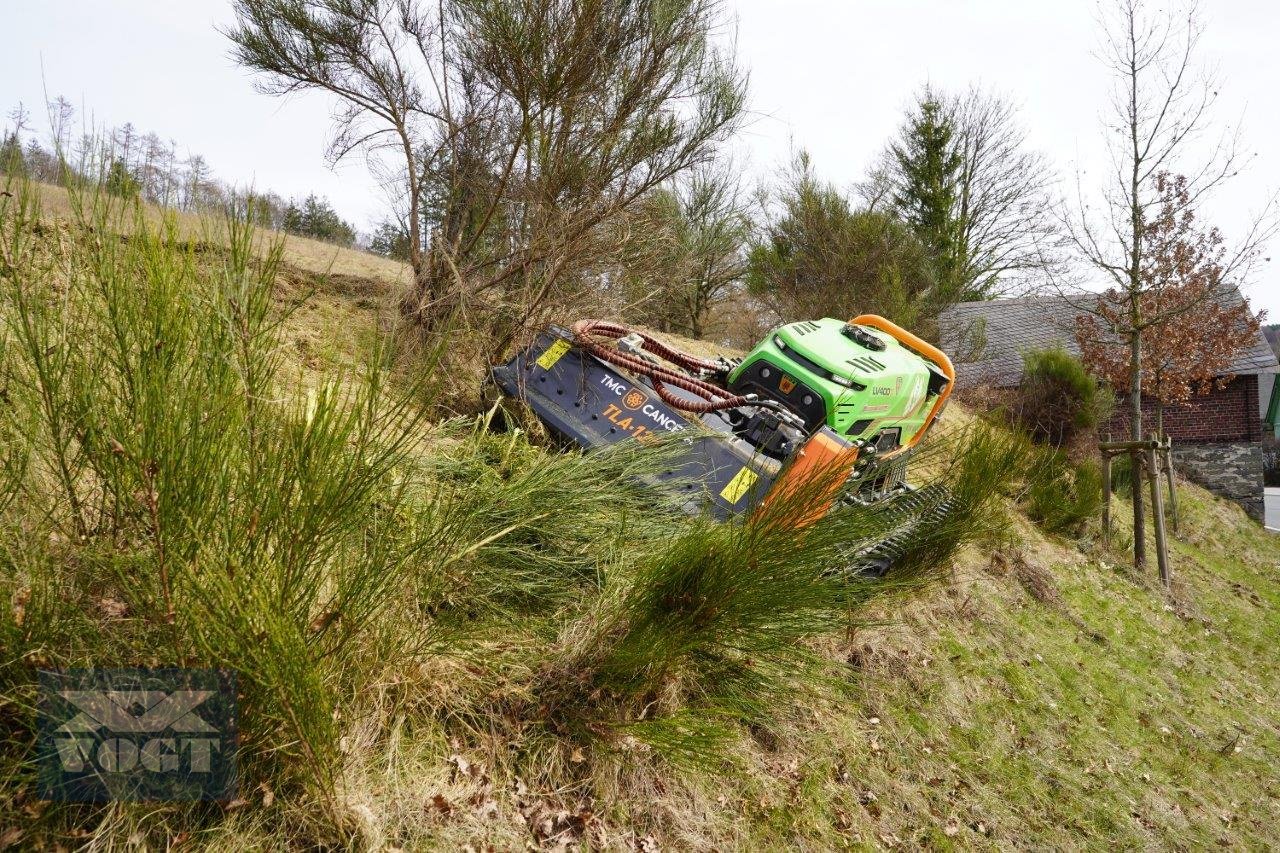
843, 403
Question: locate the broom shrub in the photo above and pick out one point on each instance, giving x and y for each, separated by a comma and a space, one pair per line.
709, 633
155, 472
1064, 496
1058, 400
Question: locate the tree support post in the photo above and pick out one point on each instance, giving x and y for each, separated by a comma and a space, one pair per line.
1106, 499
1157, 512
1167, 451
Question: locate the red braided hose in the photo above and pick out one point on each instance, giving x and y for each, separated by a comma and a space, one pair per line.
606, 329
586, 333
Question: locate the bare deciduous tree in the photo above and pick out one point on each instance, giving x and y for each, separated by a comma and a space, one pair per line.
1006, 239
687, 249
1006, 196
511, 132
1160, 118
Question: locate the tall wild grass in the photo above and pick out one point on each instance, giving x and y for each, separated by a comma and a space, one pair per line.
168, 498
170, 495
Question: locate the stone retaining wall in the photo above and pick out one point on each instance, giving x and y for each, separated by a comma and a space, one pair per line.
1232, 470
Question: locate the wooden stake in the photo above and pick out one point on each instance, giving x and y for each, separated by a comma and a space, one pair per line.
1157, 512
1131, 446
1168, 470
1106, 499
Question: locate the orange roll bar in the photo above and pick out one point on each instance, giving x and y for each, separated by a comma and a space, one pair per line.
924, 349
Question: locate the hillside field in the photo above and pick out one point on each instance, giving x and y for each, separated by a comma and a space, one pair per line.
1040, 695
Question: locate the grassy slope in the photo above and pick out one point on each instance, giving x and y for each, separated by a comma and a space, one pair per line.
343, 293
1100, 711
1044, 698
1103, 712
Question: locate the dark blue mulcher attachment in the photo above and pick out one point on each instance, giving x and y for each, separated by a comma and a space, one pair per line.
588, 402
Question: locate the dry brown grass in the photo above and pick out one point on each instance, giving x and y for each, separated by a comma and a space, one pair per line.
340, 300
312, 256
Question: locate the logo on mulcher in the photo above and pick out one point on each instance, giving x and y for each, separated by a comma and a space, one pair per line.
634, 400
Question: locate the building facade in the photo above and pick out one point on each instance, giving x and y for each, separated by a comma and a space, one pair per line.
1217, 437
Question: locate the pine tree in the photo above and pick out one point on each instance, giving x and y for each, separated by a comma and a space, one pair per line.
391, 239
315, 217
120, 181
929, 163
11, 159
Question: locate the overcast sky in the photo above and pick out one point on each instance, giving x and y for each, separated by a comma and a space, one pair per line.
831, 76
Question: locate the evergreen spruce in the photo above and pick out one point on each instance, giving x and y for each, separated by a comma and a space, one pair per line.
11, 160
927, 199
120, 181
315, 217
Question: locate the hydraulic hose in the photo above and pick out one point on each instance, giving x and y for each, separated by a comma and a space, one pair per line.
588, 334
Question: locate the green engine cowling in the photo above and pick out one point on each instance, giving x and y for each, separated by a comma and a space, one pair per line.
859, 381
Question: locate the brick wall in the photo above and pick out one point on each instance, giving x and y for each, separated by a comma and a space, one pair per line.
1229, 414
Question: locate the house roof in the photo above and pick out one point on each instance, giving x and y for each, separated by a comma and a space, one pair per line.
1010, 327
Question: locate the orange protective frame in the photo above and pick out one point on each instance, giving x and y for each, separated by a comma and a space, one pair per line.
924, 349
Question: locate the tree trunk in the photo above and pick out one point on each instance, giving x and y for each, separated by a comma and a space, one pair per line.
419, 303
1135, 434
423, 293
695, 320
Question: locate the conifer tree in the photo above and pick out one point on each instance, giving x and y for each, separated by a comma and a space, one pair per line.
930, 163
120, 180
11, 159
315, 217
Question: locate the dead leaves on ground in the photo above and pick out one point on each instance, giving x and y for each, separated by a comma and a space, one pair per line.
551, 825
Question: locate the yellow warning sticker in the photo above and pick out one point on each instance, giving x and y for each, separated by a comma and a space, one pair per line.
786, 384
549, 358
739, 485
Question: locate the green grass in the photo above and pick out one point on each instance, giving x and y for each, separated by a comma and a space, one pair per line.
1049, 737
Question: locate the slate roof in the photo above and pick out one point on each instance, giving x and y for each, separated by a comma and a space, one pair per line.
1014, 326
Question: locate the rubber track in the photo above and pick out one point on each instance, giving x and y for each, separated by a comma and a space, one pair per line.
927, 506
